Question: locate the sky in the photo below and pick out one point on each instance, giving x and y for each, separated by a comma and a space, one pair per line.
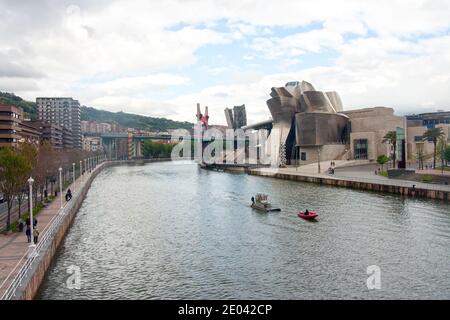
160, 58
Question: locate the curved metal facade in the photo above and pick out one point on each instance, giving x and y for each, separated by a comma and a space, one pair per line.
306, 117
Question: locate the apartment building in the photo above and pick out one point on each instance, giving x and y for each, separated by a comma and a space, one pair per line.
65, 112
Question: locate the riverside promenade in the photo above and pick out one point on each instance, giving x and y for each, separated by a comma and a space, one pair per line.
363, 180
14, 248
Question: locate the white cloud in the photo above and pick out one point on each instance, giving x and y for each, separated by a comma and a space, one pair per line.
136, 85
115, 54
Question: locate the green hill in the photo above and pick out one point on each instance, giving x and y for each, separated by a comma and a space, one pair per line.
132, 120
87, 113
28, 107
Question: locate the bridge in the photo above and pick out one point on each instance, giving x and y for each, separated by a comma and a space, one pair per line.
121, 145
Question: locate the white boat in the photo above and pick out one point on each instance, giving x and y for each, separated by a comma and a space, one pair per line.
261, 203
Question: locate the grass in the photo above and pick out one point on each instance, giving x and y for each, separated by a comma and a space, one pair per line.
427, 178
383, 174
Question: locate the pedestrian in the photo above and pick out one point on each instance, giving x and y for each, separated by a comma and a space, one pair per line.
28, 233
35, 235
21, 224
34, 222
68, 195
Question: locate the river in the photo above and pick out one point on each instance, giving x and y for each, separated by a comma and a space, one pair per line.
174, 231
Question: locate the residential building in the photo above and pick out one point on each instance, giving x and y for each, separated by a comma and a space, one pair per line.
29, 133
10, 129
67, 138
50, 132
92, 143
65, 112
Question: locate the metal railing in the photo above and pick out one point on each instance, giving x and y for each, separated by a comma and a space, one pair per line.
32, 254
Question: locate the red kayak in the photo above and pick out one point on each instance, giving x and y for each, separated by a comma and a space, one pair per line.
310, 216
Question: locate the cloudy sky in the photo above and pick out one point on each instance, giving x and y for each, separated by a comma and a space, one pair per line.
160, 58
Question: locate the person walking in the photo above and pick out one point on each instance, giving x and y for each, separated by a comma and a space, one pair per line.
28, 233
35, 235
68, 195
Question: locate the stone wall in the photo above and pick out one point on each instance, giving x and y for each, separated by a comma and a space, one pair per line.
404, 191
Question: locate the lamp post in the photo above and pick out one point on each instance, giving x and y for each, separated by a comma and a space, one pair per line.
73, 176
318, 158
60, 187
85, 167
30, 198
81, 172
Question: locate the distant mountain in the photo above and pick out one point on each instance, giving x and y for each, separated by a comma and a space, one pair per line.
87, 113
132, 120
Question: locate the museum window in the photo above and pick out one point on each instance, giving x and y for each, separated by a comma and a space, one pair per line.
303, 156
361, 147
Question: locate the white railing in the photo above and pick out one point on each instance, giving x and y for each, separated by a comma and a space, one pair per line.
47, 237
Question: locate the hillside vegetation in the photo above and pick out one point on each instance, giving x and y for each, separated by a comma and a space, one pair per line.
88, 113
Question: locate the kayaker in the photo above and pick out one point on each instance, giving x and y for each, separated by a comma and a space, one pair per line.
306, 212
253, 200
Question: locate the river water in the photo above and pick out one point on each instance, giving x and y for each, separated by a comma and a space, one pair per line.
174, 231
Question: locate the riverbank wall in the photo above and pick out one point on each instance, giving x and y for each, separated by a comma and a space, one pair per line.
32, 281
409, 191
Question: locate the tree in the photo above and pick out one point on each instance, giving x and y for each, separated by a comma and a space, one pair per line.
157, 150
391, 138
29, 151
447, 155
420, 155
433, 134
14, 168
442, 146
382, 160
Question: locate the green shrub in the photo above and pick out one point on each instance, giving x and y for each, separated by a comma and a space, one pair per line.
14, 226
36, 211
383, 174
427, 178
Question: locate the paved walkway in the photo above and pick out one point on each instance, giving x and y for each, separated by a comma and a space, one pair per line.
362, 175
14, 246
431, 171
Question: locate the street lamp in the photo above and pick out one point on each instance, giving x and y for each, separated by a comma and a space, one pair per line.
81, 172
318, 158
73, 176
30, 183
85, 167
60, 186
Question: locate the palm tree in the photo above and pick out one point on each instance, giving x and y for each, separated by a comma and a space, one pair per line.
433, 134
391, 138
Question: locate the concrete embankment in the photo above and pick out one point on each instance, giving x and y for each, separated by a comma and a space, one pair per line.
36, 274
417, 191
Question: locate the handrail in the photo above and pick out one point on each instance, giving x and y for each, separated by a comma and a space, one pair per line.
50, 231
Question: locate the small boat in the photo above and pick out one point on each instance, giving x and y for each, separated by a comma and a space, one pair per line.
262, 204
310, 216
